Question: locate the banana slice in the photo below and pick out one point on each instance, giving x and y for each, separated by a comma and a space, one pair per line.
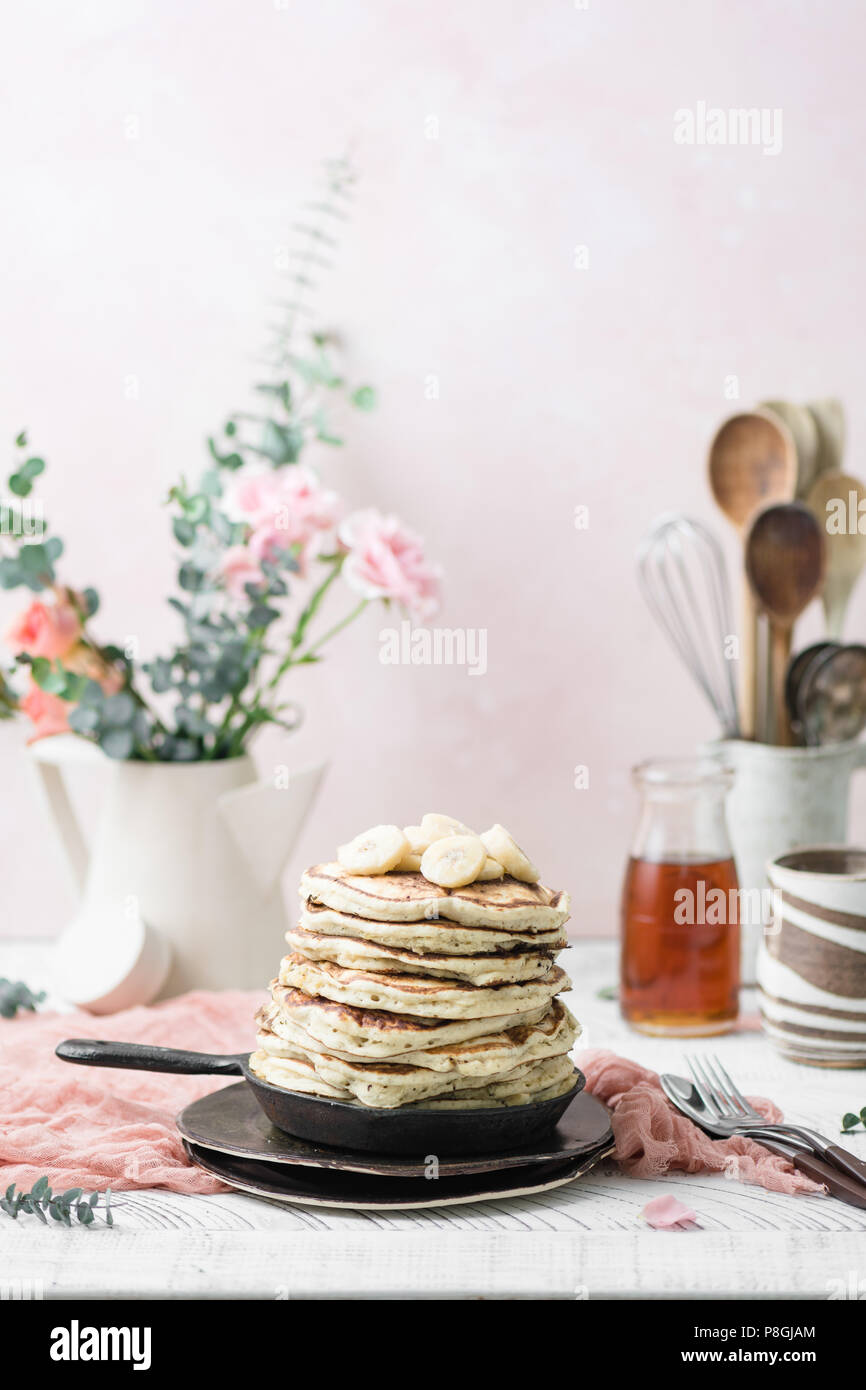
409, 864
501, 847
437, 827
375, 851
491, 868
418, 838
453, 861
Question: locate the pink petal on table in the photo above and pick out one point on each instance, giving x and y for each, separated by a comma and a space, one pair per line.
664, 1212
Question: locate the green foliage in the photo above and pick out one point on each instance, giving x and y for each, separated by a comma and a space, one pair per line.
60, 1206
851, 1121
15, 995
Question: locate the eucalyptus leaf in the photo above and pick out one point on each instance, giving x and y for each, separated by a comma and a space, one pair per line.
117, 743
118, 710
11, 573
84, 719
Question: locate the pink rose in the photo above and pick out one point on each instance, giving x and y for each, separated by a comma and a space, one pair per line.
48, 713
386, 560
49, 630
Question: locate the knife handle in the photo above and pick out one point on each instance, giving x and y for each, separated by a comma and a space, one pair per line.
846, 1161
838, 1184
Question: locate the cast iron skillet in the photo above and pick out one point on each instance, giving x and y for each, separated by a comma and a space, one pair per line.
336, 1123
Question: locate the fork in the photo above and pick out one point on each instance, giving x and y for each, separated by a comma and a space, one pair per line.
730, 1110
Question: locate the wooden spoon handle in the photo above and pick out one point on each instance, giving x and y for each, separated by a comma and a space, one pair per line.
748, 664
780, 655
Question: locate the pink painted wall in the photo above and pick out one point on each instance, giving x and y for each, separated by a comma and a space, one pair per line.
154, 257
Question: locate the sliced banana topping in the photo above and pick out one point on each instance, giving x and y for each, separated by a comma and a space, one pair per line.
491, 868
409, 864
375, 851
453, 861
418, 838
436, 827
502, 847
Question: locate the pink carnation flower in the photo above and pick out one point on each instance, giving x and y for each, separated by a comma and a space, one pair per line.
386, 560
284, 508
238, 569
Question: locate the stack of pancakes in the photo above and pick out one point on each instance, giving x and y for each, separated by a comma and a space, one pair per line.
397, 991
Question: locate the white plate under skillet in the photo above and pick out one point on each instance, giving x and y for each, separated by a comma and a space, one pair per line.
356, 1191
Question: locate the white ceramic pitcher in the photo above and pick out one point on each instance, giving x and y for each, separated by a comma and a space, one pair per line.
783, 799
181, 882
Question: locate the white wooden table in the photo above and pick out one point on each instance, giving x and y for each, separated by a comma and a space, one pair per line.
581, 1241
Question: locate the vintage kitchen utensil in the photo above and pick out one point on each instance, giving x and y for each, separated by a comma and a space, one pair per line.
752, 461
829, 417
831, 696
684, 580
337, 1123
812, 966
835, 499
804, 432
785, 560
797, 667
730, 1109
231, 1122
683, 1094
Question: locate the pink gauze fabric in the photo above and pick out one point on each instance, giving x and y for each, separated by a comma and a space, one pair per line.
95, 1127
652, 1138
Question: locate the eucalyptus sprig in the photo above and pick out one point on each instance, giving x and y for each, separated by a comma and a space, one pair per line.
851, 1121
302, 375
60, 1206
15, 995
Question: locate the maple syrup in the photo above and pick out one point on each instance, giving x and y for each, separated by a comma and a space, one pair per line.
680, 962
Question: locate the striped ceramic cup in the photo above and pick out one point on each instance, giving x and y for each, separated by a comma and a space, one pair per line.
812, 961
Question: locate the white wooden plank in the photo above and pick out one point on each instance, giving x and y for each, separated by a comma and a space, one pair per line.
309, 1264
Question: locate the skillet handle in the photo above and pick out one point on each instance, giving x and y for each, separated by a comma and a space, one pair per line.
91, 1052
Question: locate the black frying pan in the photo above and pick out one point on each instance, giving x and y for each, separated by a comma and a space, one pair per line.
336, 1123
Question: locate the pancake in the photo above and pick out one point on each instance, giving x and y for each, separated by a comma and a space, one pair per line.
504, 903
387, 1086
565, 1078
435, 937
416, 995
358, 954
375, 1033
483, 1056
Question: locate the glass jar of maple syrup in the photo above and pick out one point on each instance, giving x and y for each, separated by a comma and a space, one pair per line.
680, 967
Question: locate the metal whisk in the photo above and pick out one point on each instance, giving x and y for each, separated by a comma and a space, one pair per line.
684, 580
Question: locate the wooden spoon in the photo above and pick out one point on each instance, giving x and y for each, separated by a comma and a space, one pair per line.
804, 432
829, 417
785, 561
835, 500
752, 461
